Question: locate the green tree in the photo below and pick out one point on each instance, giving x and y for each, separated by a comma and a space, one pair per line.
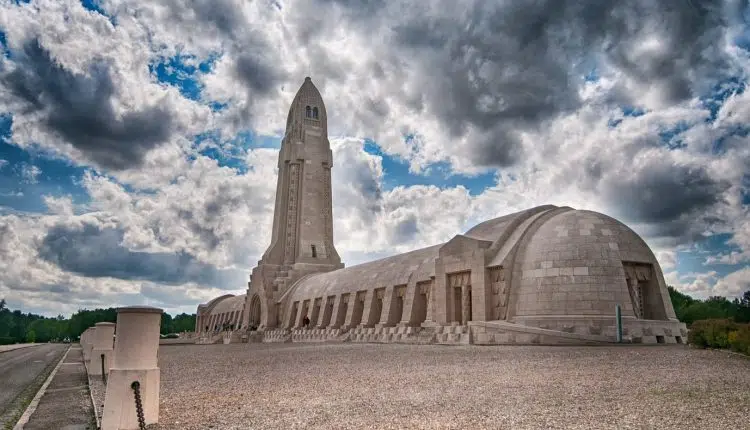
689, 310
183, 322
743, 308
166, 323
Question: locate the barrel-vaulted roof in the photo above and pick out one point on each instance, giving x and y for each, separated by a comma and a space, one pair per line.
418, 265
226, 303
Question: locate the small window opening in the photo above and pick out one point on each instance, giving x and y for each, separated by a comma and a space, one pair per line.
678, 339
315, 113
308, 112
659, 339
314, 253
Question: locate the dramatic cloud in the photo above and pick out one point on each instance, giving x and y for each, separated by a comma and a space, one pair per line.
92, 251
79, 109
174, 109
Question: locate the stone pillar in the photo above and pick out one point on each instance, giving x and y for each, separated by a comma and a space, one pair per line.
353, 311
481, 289
388, 317
135, 359
440, 291
103, 346
367, 310
465, 304
326, 314
409, 296
88, 344
305, 308
338, 307
430, 314
315, 313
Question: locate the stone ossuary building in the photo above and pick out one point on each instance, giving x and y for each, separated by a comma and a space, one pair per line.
544, 275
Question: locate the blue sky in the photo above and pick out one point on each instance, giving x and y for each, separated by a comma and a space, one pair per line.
159, 146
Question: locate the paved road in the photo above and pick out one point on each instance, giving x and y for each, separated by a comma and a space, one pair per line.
4, 348
21, 368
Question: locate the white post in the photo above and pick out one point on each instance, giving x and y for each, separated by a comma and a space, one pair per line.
135, 371
102, 346
87, 341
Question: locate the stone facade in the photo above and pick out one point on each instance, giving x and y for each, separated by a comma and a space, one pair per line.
220, 314
544, 275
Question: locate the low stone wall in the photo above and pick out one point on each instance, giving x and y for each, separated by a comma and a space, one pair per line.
489, 333
319, 335
177, 341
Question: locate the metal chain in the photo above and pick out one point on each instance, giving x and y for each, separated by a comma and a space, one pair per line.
136, 386
104, 372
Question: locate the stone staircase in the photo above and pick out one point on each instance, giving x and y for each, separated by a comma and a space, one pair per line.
209, 339
453, 335
447, 335
278, 335
505, 333
320, 335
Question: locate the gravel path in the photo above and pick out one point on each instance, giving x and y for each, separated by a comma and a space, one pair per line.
287, 386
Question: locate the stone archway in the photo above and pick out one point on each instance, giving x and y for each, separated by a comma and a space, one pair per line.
255, 311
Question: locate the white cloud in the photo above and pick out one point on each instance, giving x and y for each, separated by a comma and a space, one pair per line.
708, 284
59, 205
464, 80
30, 173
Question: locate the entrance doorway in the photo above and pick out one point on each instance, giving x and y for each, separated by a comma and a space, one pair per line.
460, 284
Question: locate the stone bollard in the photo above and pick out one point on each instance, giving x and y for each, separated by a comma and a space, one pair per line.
88, 344
133, 384
102, 346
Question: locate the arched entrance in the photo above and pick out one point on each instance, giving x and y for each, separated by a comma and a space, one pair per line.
254, 311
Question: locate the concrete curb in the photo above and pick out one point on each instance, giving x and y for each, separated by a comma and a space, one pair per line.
93, 401
2, 350
35, 401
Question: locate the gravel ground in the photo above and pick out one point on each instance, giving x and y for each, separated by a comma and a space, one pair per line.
98, 391
287, 386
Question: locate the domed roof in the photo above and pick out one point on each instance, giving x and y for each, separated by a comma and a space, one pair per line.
573, 263
229, 304
495, 228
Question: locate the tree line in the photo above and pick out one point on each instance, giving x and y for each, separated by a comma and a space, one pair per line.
690, 310
19, 327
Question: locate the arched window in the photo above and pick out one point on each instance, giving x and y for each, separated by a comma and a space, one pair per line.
315, 113
308, 112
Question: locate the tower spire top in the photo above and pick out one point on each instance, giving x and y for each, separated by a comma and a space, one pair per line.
307, 108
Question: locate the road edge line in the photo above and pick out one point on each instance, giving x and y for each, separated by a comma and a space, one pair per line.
35, 401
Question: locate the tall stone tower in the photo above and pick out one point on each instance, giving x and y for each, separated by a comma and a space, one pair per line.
302, 235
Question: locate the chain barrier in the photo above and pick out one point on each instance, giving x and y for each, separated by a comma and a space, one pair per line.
104, 374
136, 386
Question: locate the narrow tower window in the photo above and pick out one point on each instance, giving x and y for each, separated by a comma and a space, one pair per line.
314, 254
308, 112
315, 113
